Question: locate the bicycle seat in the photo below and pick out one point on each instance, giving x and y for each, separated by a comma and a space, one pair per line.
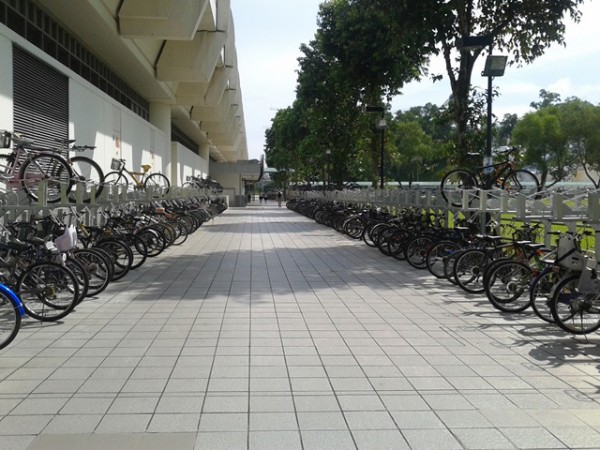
64, 141
20, 140
146, 167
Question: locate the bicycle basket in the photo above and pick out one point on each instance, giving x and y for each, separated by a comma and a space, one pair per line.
116, 164
66, 241
567, 255
5, 139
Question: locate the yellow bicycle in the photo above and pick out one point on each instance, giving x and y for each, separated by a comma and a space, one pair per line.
121, 175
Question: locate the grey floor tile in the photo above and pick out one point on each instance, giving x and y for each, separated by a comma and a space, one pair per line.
274, 440
327, 440
124, 423
174, 423
225, 440
380, 439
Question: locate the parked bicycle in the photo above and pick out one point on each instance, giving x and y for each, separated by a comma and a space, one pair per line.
503, 175
36, 171
121, 175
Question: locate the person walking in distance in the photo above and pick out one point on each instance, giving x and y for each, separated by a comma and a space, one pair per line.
279, 198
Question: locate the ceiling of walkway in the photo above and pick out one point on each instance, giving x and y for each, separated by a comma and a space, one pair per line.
179, 52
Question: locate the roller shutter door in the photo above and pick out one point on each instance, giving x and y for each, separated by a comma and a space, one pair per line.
40, 99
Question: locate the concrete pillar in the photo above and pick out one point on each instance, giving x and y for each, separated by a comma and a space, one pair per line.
160, 117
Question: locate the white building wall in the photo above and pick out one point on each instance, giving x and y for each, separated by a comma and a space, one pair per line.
97, 119
187, 164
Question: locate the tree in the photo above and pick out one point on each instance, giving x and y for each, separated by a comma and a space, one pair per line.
580, 121
414, 150
523, 28
547, 98
545, 141
504, 129
364, 50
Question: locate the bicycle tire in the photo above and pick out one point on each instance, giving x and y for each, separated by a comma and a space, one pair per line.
521, 181
89, 172
81, 276
10, 316
569, 306
155, 241
371, 233
120, 254
507, 286
540, 293
182, 233
468, 270
139, 249
98, 268
48, 167
396, 244
353, 227
39, 287
416, 250
159, 182
115, 179
454, 182
435, 257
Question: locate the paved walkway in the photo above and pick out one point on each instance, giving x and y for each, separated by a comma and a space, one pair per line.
268, 331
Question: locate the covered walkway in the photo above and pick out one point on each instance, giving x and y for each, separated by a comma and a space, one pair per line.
268, 331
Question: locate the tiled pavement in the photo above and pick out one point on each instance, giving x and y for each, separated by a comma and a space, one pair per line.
268, 331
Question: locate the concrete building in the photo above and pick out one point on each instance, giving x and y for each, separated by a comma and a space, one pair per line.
152, 81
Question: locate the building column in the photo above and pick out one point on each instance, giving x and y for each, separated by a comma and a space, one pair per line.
160, 117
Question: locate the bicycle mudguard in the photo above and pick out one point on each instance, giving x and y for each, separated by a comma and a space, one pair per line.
14, 297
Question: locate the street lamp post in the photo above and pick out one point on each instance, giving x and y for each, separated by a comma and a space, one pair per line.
327, 168
494, 67
382, 126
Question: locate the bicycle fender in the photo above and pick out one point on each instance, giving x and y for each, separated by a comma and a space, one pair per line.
14, 297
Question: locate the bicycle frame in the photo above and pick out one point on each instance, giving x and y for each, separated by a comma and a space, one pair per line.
493, 174
139, 183
19, 156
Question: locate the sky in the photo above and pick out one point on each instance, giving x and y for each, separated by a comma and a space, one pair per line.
268, 35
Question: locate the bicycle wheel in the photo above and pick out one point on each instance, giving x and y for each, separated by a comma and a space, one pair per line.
448, 262
88, 172
396, 244
155, 241
181, 232
48, 291
416, 251
540, 293
468, 270
353, 227
159, 182
10, 316
522, 181
507, 285
115, 179
453, 184
138, 248
371, 233
81, 275
120, 254
52, 169
435, 257
573, 311
98, 268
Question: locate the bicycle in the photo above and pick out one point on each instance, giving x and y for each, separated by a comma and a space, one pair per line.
503, 175
27, 168
158, 181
